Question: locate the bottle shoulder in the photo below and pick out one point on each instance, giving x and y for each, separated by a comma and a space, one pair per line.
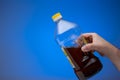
63, 26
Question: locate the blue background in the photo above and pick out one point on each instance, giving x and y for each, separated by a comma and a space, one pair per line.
27, 46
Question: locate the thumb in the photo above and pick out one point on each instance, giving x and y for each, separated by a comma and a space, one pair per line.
88, 47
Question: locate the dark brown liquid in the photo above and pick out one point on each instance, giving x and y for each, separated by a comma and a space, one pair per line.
87, 63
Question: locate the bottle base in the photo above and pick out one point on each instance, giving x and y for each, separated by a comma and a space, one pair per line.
89, 71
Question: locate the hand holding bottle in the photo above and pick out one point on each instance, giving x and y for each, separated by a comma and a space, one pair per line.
102, 46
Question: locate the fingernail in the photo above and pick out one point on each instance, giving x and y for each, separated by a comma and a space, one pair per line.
84, 49
76, 41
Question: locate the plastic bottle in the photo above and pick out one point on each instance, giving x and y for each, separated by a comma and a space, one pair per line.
84, 65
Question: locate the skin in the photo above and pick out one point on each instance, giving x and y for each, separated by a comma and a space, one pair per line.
103, 47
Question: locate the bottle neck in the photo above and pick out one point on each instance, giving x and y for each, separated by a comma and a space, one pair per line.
58, 20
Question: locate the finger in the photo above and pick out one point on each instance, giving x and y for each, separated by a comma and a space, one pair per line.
79, 42
88, 47
87, 34
89, 39
84, 40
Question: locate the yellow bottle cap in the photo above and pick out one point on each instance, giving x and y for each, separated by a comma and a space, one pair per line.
56, 16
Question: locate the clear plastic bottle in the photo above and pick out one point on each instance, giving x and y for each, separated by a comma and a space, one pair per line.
84, 65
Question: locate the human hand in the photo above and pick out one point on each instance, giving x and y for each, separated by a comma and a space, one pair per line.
97, 44
102, 46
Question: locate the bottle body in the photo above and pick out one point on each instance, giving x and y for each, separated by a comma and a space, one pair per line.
84, 65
